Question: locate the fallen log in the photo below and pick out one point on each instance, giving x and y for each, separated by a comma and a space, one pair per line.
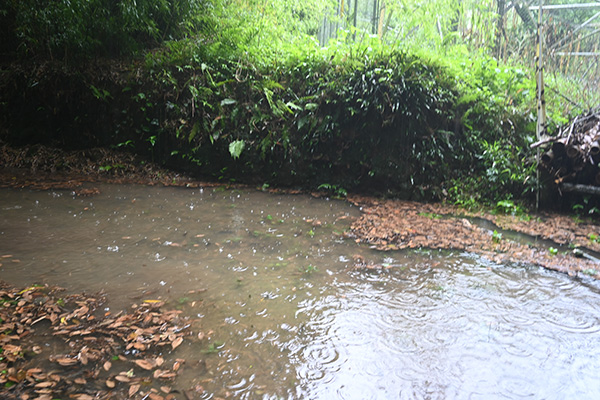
574, 153
577, 188
558, 147
548, 157
595, 148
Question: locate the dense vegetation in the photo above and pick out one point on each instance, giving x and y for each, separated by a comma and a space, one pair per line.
416, 100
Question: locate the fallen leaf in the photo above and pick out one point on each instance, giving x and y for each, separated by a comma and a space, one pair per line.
165, 389
82, 396
122, 378
107, 365
145, 364
65, 362
176, 342
46, 384
133, 389
110, 384
32, 371
139, 346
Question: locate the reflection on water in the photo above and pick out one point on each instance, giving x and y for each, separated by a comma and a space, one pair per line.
279, 311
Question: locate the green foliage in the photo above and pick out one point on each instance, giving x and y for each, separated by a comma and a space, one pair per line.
335, 190
310, 269
508, 207
236, 147
430, 215
423, 111
66, 29
496, 236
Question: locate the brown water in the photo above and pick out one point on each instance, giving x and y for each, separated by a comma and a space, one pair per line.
271, 284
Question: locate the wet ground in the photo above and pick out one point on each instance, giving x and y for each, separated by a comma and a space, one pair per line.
552, 241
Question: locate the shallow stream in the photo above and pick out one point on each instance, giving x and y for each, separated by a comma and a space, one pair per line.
271, 285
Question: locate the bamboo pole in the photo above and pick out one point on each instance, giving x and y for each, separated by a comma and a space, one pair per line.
541, 103
564, 6
381, 17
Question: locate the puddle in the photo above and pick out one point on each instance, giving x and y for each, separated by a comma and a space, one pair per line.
271, 287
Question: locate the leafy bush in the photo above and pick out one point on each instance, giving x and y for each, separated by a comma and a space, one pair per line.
72, 29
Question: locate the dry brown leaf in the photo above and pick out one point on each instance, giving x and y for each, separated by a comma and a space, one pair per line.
175, 343
165, 389
122, 378
46, 384
80, 381
145, 364
65, 362
157, 373
176, 366
159, 361
32, 371
82, 396
139, 346
154, 396
54, 377
133, 389
110, 384
107, 365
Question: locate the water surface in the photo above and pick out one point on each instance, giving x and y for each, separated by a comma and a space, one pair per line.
271, 285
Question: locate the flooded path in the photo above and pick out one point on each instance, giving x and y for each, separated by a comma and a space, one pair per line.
280, 309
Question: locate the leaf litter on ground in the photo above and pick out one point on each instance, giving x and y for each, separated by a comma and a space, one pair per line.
104, 356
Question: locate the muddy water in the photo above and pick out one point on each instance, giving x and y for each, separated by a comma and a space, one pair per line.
270, 285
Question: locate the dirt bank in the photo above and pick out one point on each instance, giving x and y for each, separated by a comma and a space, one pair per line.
392, 224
